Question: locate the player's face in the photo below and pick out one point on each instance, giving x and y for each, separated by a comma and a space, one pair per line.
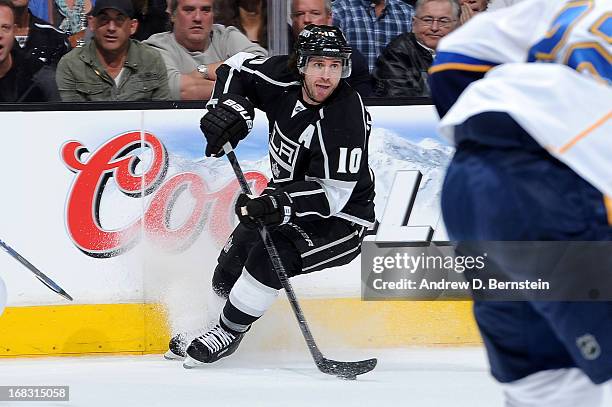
112, 30
304, 12
7, 34
476, 5
193, 21
321, 78
433, 21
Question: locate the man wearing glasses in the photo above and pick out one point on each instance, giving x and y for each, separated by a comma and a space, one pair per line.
112, 67
401, 68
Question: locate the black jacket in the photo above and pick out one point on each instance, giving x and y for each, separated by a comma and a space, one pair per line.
27, 81
45, 42
401, 68
360, 78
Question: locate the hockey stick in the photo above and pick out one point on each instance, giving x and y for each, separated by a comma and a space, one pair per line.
344, 370
39, 274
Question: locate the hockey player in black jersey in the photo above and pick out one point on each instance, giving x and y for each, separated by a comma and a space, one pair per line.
319, 201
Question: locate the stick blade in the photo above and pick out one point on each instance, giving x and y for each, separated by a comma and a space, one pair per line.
53, 286
66, 295
346, 370
37, 273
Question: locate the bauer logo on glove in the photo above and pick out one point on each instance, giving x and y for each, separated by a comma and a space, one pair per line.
248, 118
229, 121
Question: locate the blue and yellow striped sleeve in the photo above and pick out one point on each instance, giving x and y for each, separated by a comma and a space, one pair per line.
450, 74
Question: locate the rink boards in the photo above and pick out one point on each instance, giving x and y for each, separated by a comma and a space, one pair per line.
120, 209
144, 328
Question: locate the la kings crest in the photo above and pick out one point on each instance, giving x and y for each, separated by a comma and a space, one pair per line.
283, 155
290, 138
284, 151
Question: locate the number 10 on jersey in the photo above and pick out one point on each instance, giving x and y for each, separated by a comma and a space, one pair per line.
353, 160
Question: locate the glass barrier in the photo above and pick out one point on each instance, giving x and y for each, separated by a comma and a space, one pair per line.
194, 104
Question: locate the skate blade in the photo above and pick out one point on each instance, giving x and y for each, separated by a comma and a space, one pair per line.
190, 363
169, 355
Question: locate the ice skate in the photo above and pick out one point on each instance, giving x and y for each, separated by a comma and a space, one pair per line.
178, 344
215, 344
177, 347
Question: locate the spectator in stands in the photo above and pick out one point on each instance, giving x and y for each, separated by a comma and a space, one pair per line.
401, 69
249, 16
196, 47
469, 8
19, 82
112, 66
304, 12
38, 38
369, 25
152, 18
69, 15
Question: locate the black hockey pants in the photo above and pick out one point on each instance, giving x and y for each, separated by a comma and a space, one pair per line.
303, 247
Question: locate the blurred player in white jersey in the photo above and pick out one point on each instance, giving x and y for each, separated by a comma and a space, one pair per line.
524, 93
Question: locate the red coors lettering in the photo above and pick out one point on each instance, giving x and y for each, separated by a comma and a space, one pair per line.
117, 159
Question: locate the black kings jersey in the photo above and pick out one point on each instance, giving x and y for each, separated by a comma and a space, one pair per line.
318, 154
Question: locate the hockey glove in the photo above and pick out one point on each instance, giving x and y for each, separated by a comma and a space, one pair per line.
271, 210
230, 120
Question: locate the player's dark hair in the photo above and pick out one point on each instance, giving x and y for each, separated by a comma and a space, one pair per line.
292, 62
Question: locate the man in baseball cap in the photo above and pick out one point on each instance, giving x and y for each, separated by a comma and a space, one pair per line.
124, 7
112, 67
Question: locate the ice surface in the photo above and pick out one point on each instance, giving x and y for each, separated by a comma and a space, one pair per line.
419, 377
